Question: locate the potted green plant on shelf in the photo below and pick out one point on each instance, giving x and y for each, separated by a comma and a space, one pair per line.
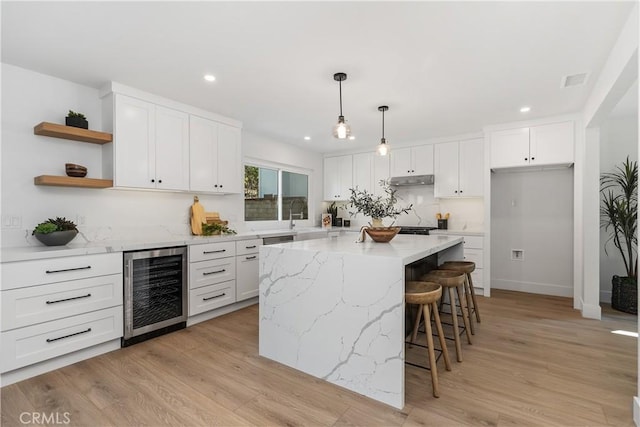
619, 216
77, 120
378, 208
55, 232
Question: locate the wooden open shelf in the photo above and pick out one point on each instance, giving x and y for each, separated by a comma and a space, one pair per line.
67, 181
68, 132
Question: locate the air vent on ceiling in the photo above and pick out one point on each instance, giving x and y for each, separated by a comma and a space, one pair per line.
574, 80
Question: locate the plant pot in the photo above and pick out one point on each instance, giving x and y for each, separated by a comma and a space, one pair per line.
624, 294
76, 122
57, 238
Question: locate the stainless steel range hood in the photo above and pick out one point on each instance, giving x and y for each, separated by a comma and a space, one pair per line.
411, 180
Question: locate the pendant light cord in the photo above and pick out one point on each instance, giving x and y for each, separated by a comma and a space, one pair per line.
340, 82
383, 124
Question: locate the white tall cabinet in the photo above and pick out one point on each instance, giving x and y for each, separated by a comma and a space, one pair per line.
458, 168
338, 177
151, 145
215, 157
412, 161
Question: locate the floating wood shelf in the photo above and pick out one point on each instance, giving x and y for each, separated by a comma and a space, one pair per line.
67, 181
68, 132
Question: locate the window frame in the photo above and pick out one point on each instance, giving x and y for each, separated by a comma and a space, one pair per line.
280, 167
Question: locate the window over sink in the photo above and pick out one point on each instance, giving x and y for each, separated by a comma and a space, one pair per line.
275, 194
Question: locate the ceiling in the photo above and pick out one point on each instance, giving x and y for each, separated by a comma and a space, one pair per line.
443, 68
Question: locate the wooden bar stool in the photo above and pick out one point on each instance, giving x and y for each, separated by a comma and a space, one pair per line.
453, 279
426, 295
467, 267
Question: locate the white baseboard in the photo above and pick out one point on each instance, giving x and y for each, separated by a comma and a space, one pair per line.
49, 365
636, 410
591, 311
533, 288
203, 317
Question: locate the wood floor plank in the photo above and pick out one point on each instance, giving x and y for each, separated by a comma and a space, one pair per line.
534, 362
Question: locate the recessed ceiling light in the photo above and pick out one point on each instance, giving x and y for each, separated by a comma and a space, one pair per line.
352, 137
525, 109
307, 138
209, 77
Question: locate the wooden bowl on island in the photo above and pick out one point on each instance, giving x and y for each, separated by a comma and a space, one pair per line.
382, 234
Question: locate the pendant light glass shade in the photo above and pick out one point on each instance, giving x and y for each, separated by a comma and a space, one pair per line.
383, 147
341, 130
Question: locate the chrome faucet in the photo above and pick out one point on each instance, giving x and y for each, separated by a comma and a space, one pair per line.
291, 214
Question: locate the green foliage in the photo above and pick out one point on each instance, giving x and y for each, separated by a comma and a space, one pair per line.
74, 114
619, 212
51, 225
213, 229
251, 182
333, 210
376, 206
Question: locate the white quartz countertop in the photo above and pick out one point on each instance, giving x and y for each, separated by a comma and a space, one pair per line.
470, 232
409, 248
80, 247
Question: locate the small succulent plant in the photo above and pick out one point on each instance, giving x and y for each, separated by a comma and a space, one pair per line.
74, 114
57, 224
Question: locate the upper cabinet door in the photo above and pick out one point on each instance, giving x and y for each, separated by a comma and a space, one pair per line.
380, 173
471, 160
510, 148
422, 160
172, 149
229, 159
331, 178
363, 171
345, 172
401, 162
134, 143
203, 154
446, 170
552, 144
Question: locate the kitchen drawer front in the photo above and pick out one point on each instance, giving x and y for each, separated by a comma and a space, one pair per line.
211, 251
38, 304
37, 272
248, 246
474, 255
473, 242
247, 279
33, 344
206, 273
211, 297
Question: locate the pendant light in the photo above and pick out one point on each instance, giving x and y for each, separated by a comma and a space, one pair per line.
383, 147
341, 130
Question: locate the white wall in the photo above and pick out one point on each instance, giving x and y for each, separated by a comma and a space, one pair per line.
29, 98
618, 138
527, 215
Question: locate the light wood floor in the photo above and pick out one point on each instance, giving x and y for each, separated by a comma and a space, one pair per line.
534, 362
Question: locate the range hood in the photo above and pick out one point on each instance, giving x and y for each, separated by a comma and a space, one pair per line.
411, 180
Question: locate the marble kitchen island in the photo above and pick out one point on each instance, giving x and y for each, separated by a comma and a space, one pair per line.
334, 308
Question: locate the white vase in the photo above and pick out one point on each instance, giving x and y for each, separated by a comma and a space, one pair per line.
376, 222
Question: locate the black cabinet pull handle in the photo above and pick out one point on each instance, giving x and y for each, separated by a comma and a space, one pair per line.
67, 336
456, 191
216, 186
526, 158
250, 247
214, 272
460, 191
153, 180
251, 257
68, 299
220, 185
214, 252
159, 181
533, 158
68, 269
217, 296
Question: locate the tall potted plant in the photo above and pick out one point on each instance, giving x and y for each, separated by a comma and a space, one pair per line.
374, 206
619, 217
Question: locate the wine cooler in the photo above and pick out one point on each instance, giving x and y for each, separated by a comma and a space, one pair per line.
155, 293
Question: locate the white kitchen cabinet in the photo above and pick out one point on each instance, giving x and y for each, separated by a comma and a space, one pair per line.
544, 145
247, 268
368, 170
57, 306
412, 161
338, 177
212, 276
215, 157
458, 169
151, 145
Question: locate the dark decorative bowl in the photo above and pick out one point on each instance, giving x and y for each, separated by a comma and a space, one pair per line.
57, 238
382, 234
77, 171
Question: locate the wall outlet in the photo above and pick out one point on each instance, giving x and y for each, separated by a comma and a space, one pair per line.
517, 254
11, 221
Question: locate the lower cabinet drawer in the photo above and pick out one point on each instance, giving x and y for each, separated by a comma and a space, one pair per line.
33, 344
474, 242
206, 273
38, 304
211, 297
474, 255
